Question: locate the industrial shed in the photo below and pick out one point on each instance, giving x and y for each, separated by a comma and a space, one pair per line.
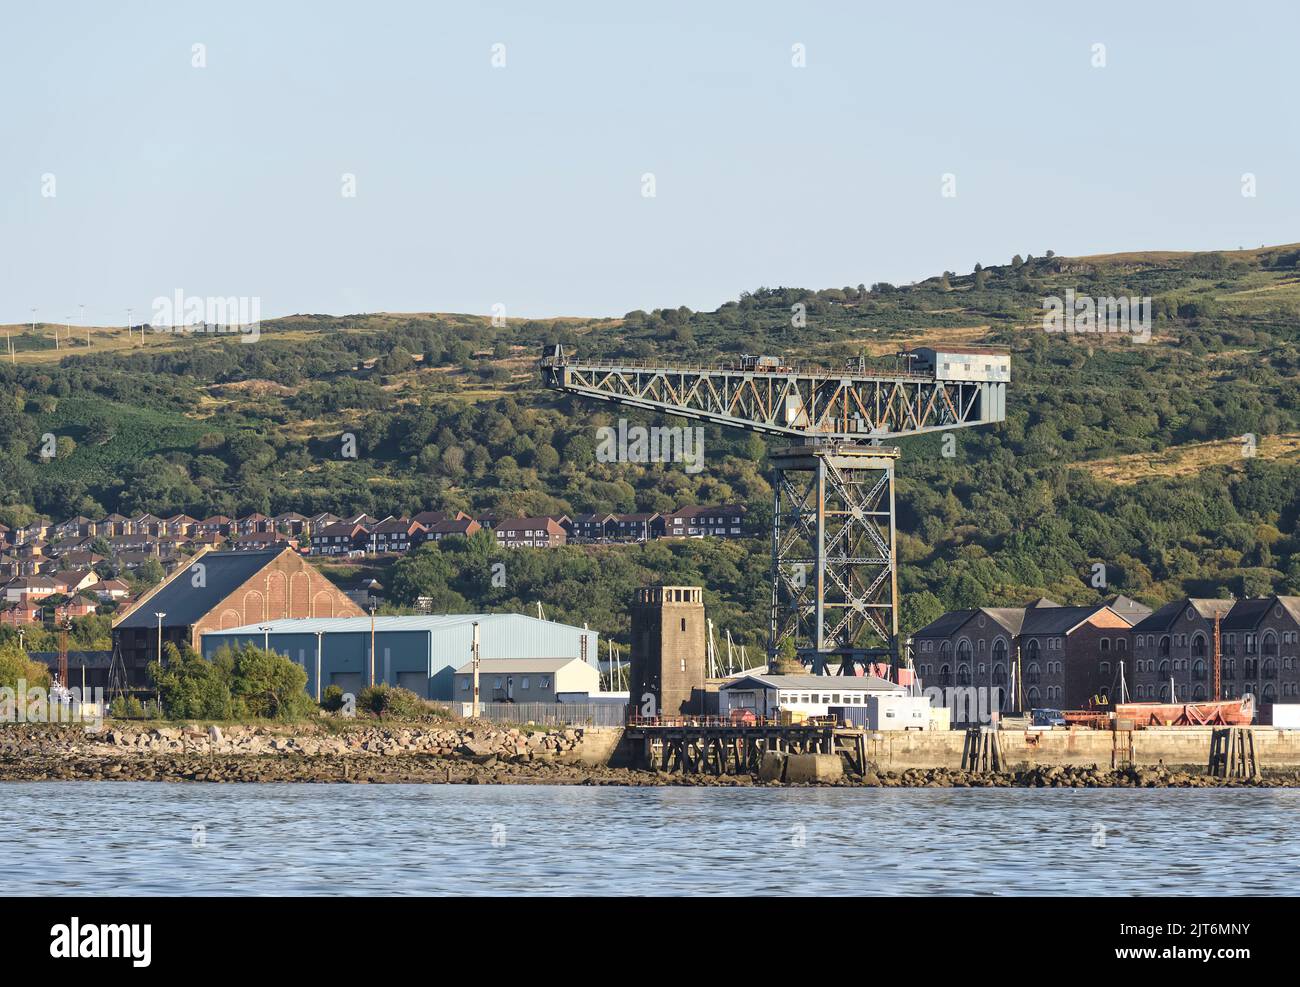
416, 653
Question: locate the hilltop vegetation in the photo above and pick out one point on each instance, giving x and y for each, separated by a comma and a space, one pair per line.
446, 411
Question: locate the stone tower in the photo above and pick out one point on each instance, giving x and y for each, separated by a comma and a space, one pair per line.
668, 657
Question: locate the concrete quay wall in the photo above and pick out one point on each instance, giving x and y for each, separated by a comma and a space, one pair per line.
1185, 748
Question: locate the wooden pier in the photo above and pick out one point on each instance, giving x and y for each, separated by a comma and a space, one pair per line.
718, 747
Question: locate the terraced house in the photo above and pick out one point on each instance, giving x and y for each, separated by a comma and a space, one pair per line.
1065, 655
1260, 642
1173, 649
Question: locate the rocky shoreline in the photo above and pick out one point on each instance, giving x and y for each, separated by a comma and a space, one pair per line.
474, 754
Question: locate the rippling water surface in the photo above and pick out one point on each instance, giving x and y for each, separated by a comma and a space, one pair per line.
272, 839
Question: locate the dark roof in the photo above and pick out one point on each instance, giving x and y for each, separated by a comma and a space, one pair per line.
946, 625
1245, 615
1009, 618
183, 603
1056, 620
91, 659
1164, 618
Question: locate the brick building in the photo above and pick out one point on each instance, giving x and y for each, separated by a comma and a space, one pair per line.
219, 590
1260, 650
1174, 648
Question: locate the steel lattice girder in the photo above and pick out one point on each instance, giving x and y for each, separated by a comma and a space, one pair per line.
802, 405
834, 563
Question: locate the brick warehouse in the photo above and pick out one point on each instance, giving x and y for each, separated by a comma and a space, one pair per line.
220, 590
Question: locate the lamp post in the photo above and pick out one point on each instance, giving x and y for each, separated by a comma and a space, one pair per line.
266, 636
158, 693
372, 645
160, 617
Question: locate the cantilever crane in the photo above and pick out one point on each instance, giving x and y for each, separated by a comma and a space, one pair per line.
834, 564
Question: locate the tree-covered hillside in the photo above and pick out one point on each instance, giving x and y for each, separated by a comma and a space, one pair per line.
447, 411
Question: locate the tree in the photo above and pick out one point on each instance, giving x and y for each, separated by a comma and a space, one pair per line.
16, 667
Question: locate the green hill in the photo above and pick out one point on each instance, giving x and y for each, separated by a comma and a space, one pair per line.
1115, 451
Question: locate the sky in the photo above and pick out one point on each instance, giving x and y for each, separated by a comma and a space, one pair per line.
501, 154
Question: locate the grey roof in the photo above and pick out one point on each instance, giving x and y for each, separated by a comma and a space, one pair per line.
1010, 619
1164, 618
185, 604
361, 625
1245, 615
91, 659
1131, 610
1057, 619
822, 683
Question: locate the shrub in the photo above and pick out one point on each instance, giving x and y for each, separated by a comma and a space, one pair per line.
241, 682
384, 699
333, 699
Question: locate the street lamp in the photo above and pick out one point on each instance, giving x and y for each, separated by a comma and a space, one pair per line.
160, 617
266, 636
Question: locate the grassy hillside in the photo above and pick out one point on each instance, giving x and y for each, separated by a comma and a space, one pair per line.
1116, 452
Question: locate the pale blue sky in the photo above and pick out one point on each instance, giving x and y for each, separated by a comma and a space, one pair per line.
522, 185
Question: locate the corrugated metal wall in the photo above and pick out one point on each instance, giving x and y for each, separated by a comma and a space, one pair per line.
436, 646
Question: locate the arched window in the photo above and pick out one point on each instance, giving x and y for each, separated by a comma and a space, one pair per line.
999, 674
963, 674
1105, 644
1032, 673
1032, 649
1164, 669
1164, 646
1198, 645
1270, 694
1033, 696
1000, 649
1198, 670
963, 650
1198, 692
1164, 693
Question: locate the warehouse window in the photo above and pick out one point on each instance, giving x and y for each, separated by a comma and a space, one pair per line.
544, 682
464, 685
523, 684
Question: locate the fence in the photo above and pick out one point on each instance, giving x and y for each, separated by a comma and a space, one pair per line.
554, 714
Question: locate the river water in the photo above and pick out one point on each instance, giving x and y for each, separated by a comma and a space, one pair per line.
276, 839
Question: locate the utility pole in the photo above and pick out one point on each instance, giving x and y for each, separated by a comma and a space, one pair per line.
474, 654
320, 637
372, 645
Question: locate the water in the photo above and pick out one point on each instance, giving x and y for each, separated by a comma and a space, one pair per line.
140, 838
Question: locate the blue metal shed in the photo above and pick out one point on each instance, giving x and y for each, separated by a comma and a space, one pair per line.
417, 653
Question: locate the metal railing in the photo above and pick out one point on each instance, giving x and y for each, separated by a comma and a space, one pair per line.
556, 714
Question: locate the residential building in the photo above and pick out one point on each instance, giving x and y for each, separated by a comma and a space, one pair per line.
725, 521
529, 532
1173, 648
1260, 653
396, 535
636, 527
340, 538
450, 527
